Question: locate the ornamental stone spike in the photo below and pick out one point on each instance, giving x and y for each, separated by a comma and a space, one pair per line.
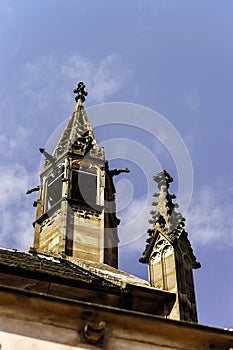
81, 93
164, 218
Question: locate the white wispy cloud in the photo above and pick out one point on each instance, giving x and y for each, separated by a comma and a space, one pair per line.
50, 79
209, 218
134, 223
16, 211
16, 208
15, 144
192, 100
6, 10
103, 78
41, 83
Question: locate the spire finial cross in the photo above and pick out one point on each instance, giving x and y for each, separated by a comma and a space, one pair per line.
80, 91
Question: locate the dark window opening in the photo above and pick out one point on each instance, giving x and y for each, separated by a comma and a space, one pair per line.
69, 231
54, 190
84, 186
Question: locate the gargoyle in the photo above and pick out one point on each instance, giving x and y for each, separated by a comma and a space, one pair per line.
119, 171
48, 156
34, 189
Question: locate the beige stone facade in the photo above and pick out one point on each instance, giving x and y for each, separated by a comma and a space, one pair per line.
38, 321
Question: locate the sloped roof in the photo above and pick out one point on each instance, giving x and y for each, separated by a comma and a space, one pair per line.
72, 269
78, 135
98, 283
39, 264
110, 273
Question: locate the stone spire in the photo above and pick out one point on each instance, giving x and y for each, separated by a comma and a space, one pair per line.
168, 251
77, 136
164, 218
73, 219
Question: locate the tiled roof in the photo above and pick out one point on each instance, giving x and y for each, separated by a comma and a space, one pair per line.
13, 261
77, 279
110, 273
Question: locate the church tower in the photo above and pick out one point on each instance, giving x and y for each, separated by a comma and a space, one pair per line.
75, 214
168, 252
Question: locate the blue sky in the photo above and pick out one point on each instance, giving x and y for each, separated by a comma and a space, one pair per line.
174, 57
